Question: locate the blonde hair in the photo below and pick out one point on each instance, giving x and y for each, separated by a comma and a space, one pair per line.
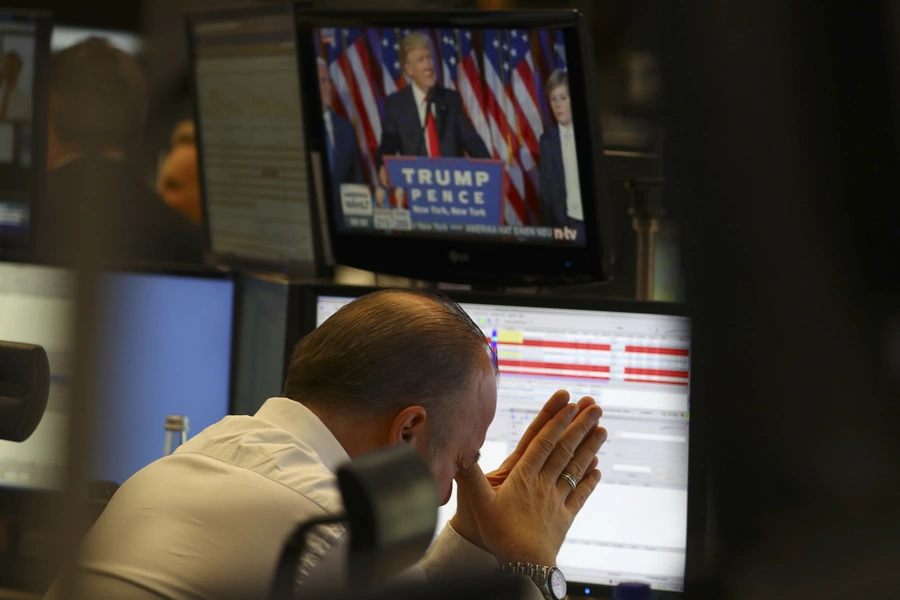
558, 78
411, 41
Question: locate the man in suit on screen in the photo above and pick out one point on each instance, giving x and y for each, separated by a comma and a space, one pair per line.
340, 139
425, 119
560, 189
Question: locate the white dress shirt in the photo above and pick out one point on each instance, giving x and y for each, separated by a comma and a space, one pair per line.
421, 104
210, 520
329, 128
570, 166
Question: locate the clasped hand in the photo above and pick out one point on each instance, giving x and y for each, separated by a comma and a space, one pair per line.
522, 511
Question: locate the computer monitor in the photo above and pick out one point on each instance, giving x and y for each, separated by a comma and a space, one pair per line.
462, 146
634, 360
164, 348
68, 35
164, 345
37, 307
252, 139
24, 55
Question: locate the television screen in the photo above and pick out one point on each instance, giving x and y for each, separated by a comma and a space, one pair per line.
459, 146
251, 135
24, 48
451, 132
634, 360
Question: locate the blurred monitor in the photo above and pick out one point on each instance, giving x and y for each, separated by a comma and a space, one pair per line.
24, 54
461, 146
252, 138
68, 35
37, 307
634, 360
165, 348
266, 330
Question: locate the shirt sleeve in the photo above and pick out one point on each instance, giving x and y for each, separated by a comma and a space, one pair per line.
452, 556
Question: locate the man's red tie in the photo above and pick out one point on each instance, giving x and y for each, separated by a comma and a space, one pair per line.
434, 148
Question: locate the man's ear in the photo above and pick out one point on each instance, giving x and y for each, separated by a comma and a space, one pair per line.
408, 425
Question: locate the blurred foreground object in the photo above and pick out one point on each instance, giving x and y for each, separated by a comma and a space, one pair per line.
784, 147
24, 389
391, 504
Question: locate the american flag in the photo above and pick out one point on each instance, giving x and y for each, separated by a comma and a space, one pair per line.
499, 75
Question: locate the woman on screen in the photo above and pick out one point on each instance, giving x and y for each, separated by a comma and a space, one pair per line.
560, 191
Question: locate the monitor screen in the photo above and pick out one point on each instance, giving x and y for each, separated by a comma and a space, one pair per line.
37, 307
165, 349
252, 143
636, 366
24, 49
452, 132
68, 35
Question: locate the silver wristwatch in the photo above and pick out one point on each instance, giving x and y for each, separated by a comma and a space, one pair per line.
549, 580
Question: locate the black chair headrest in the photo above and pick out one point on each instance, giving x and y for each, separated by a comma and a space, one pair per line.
24, 389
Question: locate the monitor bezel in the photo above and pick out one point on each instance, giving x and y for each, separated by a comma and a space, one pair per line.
697, 459
22, 247
321, 265
476, 261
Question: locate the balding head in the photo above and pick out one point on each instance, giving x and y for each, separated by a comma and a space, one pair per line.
387, 350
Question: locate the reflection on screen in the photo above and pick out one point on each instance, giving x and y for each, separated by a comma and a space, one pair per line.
451, 132
165, 349
17, 88
252, 140
636, 366
36, 307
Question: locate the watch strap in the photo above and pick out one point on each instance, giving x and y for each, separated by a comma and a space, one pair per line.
537, 573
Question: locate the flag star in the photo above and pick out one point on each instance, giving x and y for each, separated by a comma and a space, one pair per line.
524, 38
513, 33
513, 52
452, 60
505, 47
468, 35
396, 46
496, 44
397, 64
385, 42
506, 66
346, 32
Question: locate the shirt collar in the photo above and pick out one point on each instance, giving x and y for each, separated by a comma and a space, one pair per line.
567, 129
418, 94
300, 422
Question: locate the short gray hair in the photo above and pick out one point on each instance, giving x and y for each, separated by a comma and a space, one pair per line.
382, 353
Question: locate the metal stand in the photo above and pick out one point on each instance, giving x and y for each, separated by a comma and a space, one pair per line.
646, 211
175, 423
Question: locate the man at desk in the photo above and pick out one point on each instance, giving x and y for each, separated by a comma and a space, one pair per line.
210, 520
98, 110
425, 119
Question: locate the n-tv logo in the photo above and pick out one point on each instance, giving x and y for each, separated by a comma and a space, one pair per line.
566, 234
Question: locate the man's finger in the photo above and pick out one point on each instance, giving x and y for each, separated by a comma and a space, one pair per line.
544, 443
585, 458
583, 491
557, 401
476, 487
579, 433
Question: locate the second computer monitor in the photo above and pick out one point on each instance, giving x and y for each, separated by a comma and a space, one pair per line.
634, 360
255, 176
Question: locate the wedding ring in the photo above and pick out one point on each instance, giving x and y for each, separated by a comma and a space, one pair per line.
569, 479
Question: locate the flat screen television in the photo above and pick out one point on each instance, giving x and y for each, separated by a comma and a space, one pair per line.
458, 146
24, 63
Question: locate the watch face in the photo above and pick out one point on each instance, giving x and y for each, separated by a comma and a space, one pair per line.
557, 584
